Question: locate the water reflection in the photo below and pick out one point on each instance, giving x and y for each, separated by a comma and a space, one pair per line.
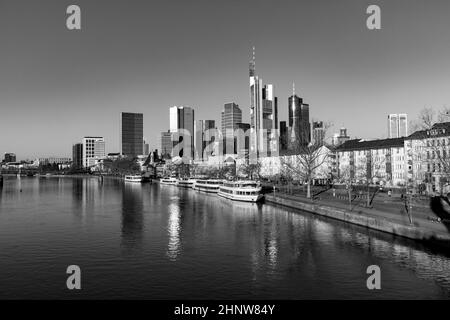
132, 216
174, 231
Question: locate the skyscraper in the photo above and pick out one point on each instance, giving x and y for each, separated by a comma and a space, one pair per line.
263, 115
203, 137
166, 145
318, 133
93, 150
397, 125
10, 157
402, 125
77, 155
131, 134
182, 126
299, 125
231, 116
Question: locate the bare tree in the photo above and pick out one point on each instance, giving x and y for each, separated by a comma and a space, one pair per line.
305, 157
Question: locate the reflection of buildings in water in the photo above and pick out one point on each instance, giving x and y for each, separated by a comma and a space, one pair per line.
132, 215
85, 196
174, 232
402, 252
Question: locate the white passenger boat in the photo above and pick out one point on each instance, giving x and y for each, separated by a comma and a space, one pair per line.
133, 178
207, 185
185, 183
249, 191
170, 180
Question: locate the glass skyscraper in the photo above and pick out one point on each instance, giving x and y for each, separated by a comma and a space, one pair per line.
132, 134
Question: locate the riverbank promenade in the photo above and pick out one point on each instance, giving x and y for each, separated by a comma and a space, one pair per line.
387, 214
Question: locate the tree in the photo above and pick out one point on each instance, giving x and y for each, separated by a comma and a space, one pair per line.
305, 157
251, 170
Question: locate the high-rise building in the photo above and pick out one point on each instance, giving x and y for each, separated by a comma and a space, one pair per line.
318, 133
203, 137
299, 125
166, 144
283, 136
146, 147
402, 125
77, 155
243, 142
397, 125
182, 126
93, 150
131, 134
263, 115
10, 157
231, 116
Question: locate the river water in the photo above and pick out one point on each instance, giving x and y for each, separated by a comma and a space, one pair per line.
154, 241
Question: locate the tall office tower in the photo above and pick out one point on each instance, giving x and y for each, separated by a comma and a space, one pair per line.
283, 136
263, 115
93, 150
299, 125
166, 145
393, 126
203, 137
318, 132
146, 148
77, 155
131, 134
182, 126
402, 125
10, 157
231, 116
243, 142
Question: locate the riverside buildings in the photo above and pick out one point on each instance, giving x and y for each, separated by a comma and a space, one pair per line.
131, 134
264, 139
428, 158
77, 155
382, 161
93, 151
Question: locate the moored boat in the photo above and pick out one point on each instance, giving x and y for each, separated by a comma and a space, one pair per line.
185, 183
168, 180
133, 178
249, 191
207, 185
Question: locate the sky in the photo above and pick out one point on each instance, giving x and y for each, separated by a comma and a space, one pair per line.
58, 85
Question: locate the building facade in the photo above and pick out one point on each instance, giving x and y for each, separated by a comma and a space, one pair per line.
428, 159
166, 145
77, 155
9, 157
93, 151
205, 135
182, 126
318, 133
397, 125
264, 139
131, 134
299, 126
374, 161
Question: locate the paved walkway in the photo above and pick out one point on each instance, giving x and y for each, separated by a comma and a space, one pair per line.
423, 217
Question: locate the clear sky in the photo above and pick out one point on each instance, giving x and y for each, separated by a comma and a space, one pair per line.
57, 86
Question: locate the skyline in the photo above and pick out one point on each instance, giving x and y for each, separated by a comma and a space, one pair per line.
146, 59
